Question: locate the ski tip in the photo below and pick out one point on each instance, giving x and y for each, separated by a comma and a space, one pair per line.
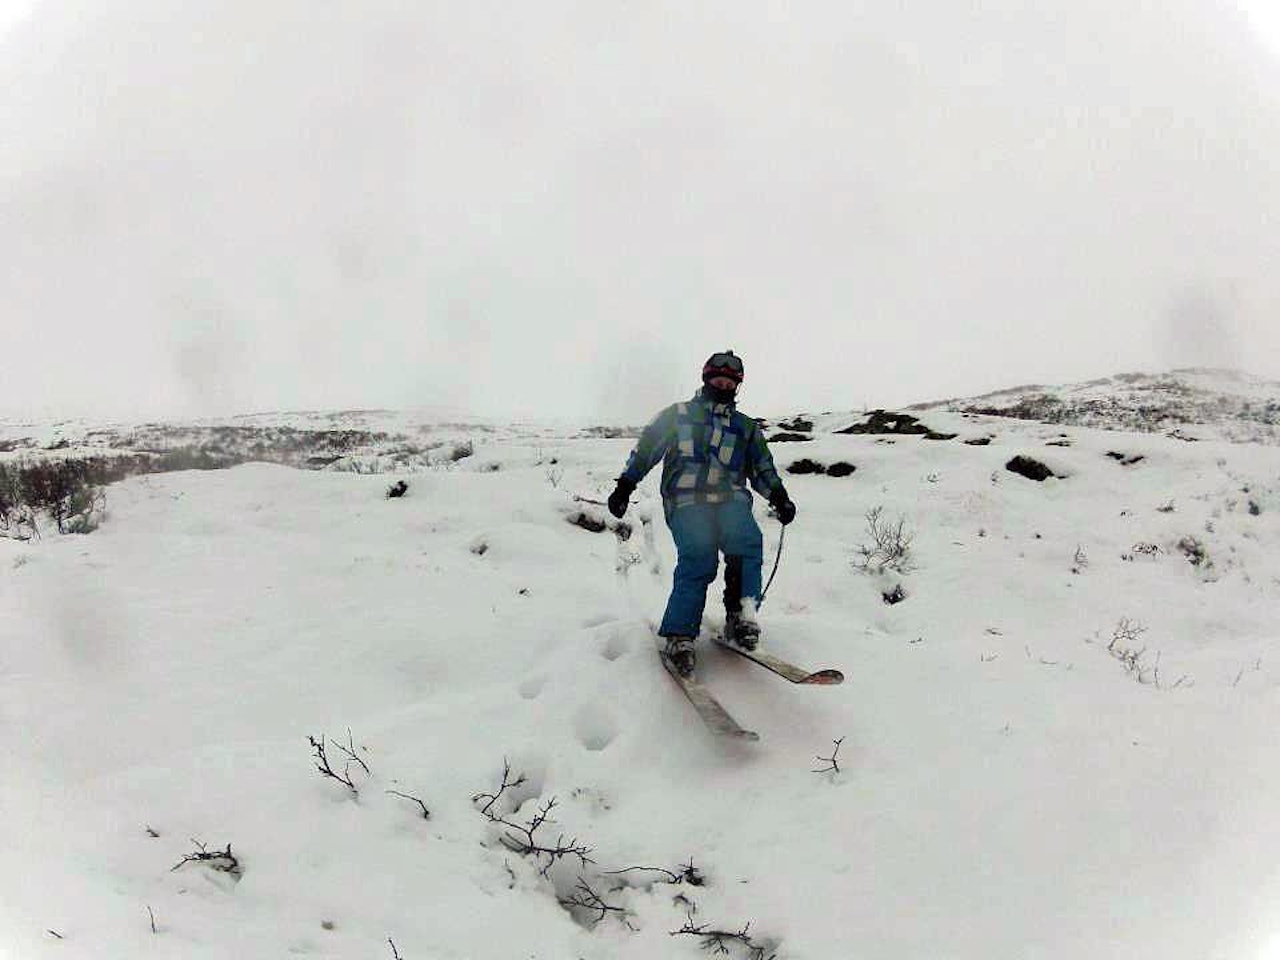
825, 678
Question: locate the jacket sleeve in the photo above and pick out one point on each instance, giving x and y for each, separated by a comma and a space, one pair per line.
760, 469
652, 446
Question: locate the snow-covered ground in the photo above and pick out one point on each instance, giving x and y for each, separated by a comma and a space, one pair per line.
1008, 786
1205, 403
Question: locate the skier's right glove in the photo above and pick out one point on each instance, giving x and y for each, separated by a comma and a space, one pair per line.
620, 497
782, 506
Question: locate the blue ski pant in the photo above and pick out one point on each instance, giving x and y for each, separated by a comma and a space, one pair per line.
702, 531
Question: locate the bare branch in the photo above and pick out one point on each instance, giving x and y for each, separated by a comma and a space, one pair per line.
688, 873
350, 751
718, 941
322, 764
521, 838
832, 762
890, 547
585, 898
1121, 647
223, 860
426, 814
507, 783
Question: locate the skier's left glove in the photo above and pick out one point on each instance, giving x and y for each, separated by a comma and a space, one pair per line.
782, 506
620, 497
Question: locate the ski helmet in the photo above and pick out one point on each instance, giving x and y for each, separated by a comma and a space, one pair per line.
724, 364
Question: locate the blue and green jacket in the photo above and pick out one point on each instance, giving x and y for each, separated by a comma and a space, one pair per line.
709, 452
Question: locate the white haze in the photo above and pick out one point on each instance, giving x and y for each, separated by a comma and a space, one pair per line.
561, 208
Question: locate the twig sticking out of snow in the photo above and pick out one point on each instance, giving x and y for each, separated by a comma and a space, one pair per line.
426, 814
688, 874
717, 941
585, 897
1123, 647
832, 762
223, 860
890, 547
522, 838
326, 769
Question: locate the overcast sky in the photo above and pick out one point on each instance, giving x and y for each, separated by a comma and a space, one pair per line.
560, 208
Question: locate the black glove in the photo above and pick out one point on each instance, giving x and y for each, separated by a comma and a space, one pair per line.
782, 506
620, 497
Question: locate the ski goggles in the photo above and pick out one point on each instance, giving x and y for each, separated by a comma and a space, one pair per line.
723, 365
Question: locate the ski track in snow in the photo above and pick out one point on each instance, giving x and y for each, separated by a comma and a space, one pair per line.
1006, 787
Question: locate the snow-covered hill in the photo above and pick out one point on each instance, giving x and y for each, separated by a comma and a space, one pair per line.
1060, 744
1198, 403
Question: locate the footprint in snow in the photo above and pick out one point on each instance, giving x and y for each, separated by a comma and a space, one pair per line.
532, 687
616, 646
595, 726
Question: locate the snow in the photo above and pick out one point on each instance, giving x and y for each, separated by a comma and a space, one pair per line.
1007, 788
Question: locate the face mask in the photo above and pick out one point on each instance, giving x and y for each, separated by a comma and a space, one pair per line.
718, 395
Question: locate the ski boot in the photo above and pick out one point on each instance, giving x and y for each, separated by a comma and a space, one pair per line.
680, 652
741, 631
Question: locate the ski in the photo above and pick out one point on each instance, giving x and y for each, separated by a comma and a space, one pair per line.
713, 714
789, 671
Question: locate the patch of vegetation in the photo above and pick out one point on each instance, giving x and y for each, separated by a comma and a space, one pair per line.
1042, 407
612, 433
889, 547
67, 492
1195, 552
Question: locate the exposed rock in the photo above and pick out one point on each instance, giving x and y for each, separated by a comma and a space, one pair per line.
1125, 459
587, 522
1029, 468
806, 466
882, 422
798, 425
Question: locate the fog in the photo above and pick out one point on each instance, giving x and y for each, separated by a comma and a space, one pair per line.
559, 209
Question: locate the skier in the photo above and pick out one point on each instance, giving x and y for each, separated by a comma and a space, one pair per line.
710, 451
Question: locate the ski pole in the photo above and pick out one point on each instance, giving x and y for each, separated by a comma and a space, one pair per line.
776, 560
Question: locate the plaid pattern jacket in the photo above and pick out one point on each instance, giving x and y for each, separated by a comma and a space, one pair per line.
709, 453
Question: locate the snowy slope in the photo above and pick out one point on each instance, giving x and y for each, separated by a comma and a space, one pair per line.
1195, 402
1008, 786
